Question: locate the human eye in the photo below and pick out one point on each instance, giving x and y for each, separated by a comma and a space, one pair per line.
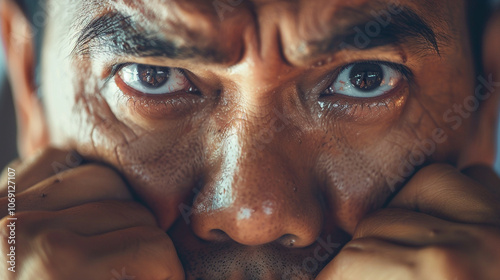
366, 80
366, 91
153, 80
155, 92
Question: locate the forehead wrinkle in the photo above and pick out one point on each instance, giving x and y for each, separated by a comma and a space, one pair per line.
162, 17
324, 21
113, 31
313, 33
188, 19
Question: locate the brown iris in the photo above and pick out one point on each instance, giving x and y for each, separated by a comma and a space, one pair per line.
153, 76
367, 76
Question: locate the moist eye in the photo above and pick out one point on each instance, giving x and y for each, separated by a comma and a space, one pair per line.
366, 76
153, 80
365, 80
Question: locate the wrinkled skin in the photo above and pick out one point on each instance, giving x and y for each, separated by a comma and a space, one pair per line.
257, 167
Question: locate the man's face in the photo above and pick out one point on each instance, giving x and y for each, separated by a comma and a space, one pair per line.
259, 132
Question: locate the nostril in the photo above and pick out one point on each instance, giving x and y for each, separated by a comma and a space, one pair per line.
288, 240
218, 235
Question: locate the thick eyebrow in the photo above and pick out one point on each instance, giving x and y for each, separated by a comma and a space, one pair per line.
404, 27
117, 34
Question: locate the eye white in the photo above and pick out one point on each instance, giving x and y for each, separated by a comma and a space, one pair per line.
344, 86
176, 81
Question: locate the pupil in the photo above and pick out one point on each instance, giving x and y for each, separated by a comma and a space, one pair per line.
366, 77
152, 76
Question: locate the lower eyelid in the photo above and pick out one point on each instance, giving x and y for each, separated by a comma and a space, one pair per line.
365, 109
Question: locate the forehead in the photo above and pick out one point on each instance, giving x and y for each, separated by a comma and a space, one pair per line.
211, 7
211, 14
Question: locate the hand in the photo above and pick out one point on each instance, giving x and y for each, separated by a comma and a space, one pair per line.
82, 224
443, 225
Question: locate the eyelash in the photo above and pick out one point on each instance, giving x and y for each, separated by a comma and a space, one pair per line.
365, 109
344, 107
350, 109
156, 106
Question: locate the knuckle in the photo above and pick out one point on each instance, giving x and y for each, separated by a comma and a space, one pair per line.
344, 263
157, 246
445, 262
165, 243
438, 254
153, 238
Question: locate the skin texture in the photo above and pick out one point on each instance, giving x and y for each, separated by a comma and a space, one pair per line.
59, 243
249, 173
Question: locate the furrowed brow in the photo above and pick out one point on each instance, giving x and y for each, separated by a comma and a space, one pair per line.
405, 27
117, 34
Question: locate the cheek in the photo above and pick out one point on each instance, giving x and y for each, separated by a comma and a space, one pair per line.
363, 165
360, 175
161, 160
369, 164
444, 107
162, 168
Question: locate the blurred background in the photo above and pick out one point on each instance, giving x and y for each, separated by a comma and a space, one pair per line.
8, 150
7, 120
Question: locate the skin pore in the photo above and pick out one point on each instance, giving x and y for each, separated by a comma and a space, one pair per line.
256, 154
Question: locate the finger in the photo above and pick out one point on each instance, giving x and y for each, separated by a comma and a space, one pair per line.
89, 219
155, 251
410, 228
371, 259
137, 253
442, 191
73, 187
47, 163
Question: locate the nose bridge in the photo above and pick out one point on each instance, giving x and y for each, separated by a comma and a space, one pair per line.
252, 193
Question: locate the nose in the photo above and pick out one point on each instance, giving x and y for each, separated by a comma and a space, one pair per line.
257, 192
